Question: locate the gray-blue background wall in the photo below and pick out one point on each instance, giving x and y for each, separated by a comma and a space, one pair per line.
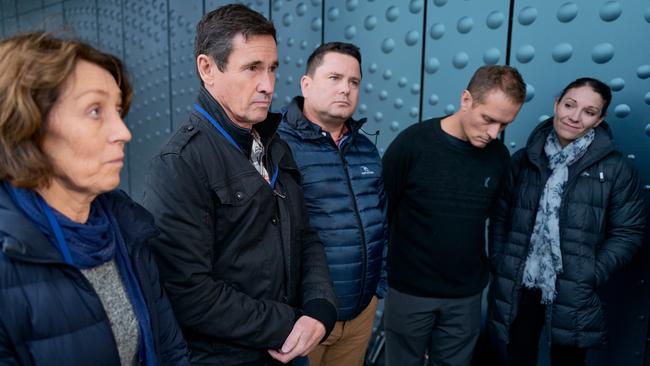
417, 57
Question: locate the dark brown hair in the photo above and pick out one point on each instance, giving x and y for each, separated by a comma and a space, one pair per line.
504, 78
217, 29
34, 68
316, 58
596, 85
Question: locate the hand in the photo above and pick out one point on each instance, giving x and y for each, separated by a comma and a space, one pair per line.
304, 336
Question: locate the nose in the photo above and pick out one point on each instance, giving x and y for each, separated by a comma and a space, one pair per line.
266, 83
493, 131
575, 115
345, 88
120, 133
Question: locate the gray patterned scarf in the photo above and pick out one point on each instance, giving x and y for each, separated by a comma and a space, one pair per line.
544, 260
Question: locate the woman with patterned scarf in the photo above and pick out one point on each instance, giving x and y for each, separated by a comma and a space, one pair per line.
78, 285
570, 215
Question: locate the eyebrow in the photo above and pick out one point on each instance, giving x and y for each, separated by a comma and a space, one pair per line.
341, 75
93, 91
258, 63
587, 107
491, 119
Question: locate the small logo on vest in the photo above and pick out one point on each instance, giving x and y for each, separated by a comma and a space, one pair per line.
366, 171
486, 182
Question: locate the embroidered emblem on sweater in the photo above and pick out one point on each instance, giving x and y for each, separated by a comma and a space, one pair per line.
366, 171
486, 183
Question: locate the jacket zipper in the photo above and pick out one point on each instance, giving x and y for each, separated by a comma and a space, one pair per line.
364, 252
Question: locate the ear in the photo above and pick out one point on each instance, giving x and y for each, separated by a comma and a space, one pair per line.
305, 82
207, 68
466, 100
602, 118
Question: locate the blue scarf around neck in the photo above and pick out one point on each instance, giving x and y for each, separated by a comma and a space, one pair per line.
91, 244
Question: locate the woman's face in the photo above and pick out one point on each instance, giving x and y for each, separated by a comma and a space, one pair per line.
576, 113
84, 132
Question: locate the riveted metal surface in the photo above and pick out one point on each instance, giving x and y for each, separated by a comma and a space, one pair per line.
460, 37
30, 20
261, 6
146, 52
8, 8
81, 18
25, 6
184, 80
294, 47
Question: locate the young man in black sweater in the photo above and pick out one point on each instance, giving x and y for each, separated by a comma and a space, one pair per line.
441, 177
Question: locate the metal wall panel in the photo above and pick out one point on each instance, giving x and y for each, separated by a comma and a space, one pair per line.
53, 17
294, 47
81, 19
261, 6
390, 37
146, 52
10, 25
30, 21
185, 83
460, 38
25, 6
8, 8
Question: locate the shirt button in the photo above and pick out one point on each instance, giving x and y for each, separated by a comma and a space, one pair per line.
239, 196
274, 221
189, 128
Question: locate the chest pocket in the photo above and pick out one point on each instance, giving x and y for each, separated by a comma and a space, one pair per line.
240, 191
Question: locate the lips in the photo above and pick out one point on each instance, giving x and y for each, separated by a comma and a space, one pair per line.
570, 126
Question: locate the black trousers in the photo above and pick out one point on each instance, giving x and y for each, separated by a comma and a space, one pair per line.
526, 330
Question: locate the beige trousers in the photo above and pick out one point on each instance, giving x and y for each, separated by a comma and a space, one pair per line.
346, 345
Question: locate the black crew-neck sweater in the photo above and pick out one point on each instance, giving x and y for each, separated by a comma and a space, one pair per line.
440, 192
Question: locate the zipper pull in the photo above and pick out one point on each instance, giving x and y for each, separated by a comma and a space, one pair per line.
601, 177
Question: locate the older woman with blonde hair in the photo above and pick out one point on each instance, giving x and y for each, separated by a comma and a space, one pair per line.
78, 285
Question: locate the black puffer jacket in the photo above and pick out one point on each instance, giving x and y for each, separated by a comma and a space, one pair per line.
601, 226
237, 257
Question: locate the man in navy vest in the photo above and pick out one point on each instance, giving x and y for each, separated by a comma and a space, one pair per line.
343, 188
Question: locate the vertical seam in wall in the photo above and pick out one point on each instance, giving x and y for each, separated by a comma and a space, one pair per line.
511, 12
509, 39
424, 42
17, 17
322, 23
270, 10
62, 15
99, 42
169, 68
123, 56
203, 11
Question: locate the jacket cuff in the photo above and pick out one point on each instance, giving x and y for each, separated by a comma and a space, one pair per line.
324, 312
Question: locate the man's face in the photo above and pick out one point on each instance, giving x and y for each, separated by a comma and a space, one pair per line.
482, 122
332, 92
245, 88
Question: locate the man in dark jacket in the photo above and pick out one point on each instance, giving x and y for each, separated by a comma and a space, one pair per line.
343, 188
442, 176
246, 275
